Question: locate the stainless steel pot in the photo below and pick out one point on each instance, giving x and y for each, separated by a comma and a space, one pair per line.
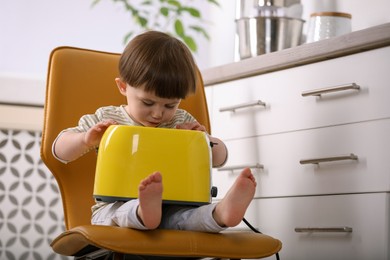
277, 2
260, 35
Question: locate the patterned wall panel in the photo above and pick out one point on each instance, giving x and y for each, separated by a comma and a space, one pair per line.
30, 204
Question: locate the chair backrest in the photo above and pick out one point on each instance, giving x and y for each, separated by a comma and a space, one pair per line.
78, 82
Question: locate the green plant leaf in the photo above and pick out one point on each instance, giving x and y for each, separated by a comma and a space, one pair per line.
127, 38
200, 30
174, 3
130, 8
147, 2
214, 2
192, 11
179, 29
142, 21
190, 43
95, 2
164, 11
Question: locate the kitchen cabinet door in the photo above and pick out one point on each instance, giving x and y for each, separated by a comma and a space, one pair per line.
337, 227
284, 174
273, 102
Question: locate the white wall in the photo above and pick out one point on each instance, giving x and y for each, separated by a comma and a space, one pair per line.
29, 30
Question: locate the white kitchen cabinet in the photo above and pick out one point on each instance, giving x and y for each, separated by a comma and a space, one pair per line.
287, 110
343, 133
284, 175
337, 227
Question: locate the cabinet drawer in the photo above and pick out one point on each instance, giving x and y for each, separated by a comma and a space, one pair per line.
366, 214
287, 110
284, 175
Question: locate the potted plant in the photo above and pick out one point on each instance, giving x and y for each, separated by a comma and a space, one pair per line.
167, 16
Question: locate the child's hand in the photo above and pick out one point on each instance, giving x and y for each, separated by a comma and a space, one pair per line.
191, 126
94, 134
219, 148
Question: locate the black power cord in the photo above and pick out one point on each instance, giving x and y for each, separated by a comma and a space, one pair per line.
257, 231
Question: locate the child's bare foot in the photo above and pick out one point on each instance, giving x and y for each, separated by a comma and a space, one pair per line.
231, 209
150, 200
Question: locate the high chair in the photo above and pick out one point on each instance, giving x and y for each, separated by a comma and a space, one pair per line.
79, 81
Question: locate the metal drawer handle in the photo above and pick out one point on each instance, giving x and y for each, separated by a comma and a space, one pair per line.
243, 105
329, 159
239, 167
326, 229
318, 92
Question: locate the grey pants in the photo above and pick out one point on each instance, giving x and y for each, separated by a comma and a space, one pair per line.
124, 214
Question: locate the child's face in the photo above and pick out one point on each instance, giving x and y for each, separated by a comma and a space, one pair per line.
145, 107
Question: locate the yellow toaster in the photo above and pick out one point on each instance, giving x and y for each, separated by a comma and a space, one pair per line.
128, 154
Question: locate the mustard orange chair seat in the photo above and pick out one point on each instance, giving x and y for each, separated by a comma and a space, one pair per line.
79, 81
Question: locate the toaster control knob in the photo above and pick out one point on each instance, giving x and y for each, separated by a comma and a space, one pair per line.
214, 191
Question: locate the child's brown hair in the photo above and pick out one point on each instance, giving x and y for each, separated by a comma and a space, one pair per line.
160, 63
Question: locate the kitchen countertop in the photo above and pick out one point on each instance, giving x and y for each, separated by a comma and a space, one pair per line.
358, 41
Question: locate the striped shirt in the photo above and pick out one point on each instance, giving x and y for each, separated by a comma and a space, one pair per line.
120, 115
